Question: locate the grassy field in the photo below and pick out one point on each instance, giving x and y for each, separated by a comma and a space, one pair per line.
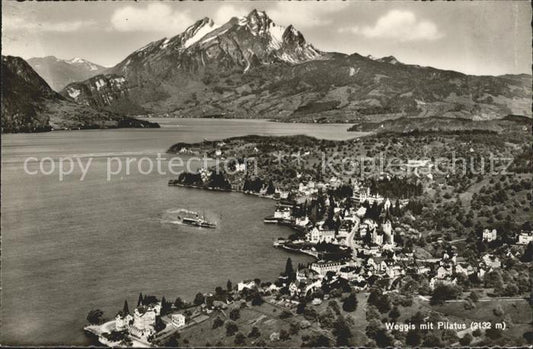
266, 318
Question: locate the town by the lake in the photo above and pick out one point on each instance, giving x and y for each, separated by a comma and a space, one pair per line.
407, 256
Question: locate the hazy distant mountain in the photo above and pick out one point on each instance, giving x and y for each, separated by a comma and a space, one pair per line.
30, 105
251, 67
60, 72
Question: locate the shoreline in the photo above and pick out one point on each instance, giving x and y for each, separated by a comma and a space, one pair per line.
275, 244
296, 250
189, 186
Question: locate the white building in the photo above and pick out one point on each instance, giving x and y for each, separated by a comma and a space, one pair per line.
348, 273
388, 234
249, 284
377, 237
308, 189
322, 267
489, 235
366, 196
318, 235
178, 320
525, 238
240, 167
447, 281
491, 261
301, 221
361, 212
143, 322
282, 213
122, 322
386, 205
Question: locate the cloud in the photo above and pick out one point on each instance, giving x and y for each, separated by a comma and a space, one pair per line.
226, 12
355, 29
24, 24
305, 14
300, 14
400, 25
155, 17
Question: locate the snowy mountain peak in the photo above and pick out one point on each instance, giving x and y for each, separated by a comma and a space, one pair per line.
197, 31
258, 22
293, 36
76, 60
243, 42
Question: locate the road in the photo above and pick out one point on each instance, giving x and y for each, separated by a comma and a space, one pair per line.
505, 299
350, 237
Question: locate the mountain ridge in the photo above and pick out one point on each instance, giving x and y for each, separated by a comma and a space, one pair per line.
58, 73
30, 105
251, 67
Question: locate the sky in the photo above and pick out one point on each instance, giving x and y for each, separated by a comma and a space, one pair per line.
476, 37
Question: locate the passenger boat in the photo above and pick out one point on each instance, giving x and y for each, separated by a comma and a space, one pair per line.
194, 219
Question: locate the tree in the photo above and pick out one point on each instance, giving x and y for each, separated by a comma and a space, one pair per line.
165, 306
254, 333
373, 328
327, 318
229, 286
159, 324
310, 314
140, 299
432, 340
199, 299
493, 333
239, 338
285, 314
511, 290
342, 332
350, 303
209, 301
173, 341
474, 296
394, 313
217, 322
334, 306
284, 335
413, 338
493, 279
95, 317
178, 303
466, 340
449, 336
294, 328
528, 253
317, 342
257, 299
300, 308
379, 300
231, 328
125, 309
372, 313
289, 270
383, 338
498, 311
528, 336
235, 314
442, 293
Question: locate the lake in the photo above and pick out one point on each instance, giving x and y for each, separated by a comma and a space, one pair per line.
71, 246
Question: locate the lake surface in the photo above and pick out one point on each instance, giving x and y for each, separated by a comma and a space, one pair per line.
71, 246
